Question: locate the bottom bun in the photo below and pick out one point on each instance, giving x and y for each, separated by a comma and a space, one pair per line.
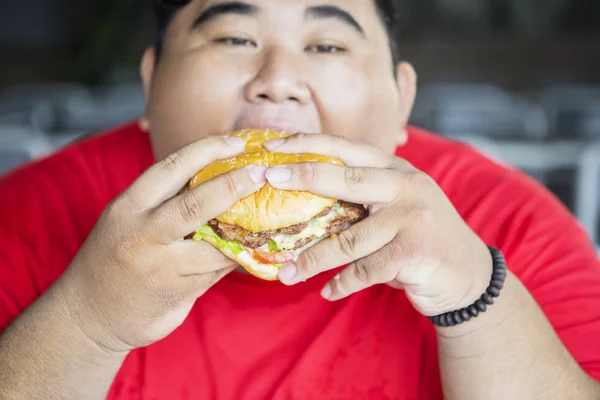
268, 272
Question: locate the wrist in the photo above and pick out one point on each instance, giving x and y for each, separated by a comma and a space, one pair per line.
480, 279
506, 307
481, 296
85, 329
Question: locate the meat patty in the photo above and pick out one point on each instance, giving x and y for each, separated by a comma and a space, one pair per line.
351, 214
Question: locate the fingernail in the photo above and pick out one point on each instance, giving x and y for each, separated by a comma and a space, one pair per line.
257, 173
274, 143
326, 292
279, 174
287, 273
234, 141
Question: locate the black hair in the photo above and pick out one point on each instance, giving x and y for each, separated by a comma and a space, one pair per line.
388, 11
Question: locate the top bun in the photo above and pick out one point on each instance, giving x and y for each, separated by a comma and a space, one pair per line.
269, 208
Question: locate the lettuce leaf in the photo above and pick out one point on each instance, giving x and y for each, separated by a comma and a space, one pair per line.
273, 246
205, 231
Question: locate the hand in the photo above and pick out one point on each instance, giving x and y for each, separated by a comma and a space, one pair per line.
413, 239
135, 279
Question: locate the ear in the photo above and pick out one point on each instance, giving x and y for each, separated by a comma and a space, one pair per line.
147, 66
406, 79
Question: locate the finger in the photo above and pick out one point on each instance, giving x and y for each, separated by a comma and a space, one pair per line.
166, 178
183, 214
351, 153
197, 285
200, 258
396, 285
354, 243
353, 184
374, 269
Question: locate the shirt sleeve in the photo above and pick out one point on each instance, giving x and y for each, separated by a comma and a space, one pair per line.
48, 208
19, 283
39, 235
19, 286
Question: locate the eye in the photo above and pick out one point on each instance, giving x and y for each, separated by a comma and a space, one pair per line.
325, 48
233, 41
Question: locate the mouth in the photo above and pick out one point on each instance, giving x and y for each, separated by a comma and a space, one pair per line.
277, 126
280, 121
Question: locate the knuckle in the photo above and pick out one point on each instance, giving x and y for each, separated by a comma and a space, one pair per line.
127, 247
126, 201
353, 176
362, 272
173, 162
335, 141
420, 181
422, 214
409, 249
301, 138
395, 190
120, 211
191, 207
297, 137
400, 164
297, 140
421, 221
310, 263
232, 185
114, 209
307, 173
347, 243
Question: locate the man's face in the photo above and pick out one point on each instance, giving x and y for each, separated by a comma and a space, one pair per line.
316, 66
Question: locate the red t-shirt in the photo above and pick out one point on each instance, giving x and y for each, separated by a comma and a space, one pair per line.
250, 339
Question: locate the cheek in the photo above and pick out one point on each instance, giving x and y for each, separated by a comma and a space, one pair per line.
192, 99
342, 96
359, 102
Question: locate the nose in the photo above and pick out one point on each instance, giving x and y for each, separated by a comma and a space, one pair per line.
279, 80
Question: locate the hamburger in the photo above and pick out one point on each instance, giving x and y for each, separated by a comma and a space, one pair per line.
271, 227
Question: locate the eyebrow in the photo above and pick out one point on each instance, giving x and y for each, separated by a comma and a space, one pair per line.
218, 10
333, 12
240, 8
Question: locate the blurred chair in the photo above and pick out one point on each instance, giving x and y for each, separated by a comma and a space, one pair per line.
64, 107
537, 158
480, 109
587, 199
573, 110
37, 106
107, 107
19, 145
36, 114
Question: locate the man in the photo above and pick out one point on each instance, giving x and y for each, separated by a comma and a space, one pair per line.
102, 298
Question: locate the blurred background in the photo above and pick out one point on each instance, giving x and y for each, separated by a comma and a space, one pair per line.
518, 79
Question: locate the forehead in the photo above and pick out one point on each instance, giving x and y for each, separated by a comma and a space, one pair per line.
364, 11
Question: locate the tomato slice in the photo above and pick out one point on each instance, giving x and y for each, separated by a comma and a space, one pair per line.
266, 257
